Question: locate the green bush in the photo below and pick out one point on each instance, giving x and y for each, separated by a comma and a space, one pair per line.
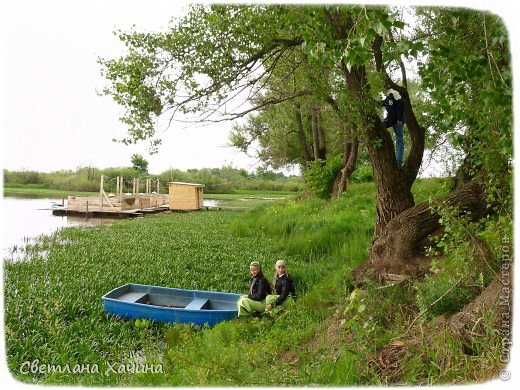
363, 174
320, 176
23, 177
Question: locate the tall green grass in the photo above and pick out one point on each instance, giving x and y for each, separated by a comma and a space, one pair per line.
323, 241
53, 306
316, 227
53, 309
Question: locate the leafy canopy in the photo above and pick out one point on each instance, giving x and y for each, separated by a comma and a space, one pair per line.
217, 53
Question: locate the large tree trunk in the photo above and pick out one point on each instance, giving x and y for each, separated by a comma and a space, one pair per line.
399, 247
394, 192
350, 154
394, 186
301, 136
399, 225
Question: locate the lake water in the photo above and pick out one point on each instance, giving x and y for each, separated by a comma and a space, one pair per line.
24, 219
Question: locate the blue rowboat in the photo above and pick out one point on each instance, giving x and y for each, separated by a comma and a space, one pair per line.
171, 304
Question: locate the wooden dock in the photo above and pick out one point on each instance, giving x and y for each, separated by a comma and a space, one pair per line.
115, 206
116, 203
93, 214
88, 209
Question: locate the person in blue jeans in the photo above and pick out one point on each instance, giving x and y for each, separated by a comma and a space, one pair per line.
395, 118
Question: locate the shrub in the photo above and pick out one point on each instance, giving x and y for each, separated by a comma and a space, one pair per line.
320, 176
363, 174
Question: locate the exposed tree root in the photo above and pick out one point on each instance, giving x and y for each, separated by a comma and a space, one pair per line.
397, 248
487, 309
468, 322
492, 308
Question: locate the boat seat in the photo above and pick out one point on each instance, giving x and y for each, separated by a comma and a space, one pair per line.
134, 296
196, 303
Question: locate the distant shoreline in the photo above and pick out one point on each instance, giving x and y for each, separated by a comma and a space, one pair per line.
53, 193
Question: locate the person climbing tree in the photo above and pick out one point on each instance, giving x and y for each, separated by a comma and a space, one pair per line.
395, 118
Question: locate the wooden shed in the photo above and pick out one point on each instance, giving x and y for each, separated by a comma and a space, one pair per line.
185, 196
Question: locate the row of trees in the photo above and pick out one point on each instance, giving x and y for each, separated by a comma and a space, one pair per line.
312, 77
216, 180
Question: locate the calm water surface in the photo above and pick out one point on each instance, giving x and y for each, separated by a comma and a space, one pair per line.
24, 219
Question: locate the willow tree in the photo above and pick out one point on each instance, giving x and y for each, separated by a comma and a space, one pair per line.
308, 131
288, 134
213, 55
295, 131
467, 78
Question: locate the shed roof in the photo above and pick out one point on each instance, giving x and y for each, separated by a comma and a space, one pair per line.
186, 184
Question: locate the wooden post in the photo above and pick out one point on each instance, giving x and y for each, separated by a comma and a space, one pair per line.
101, 193
86, 212
117, 185
158, 187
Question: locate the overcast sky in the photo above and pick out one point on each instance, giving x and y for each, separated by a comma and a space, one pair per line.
51, 116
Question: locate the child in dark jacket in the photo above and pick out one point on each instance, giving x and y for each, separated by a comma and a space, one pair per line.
284, 287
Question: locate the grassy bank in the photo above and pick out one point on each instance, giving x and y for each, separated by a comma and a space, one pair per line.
332, 335
52, 298
53, 307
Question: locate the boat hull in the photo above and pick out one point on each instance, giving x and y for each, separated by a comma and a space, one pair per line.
171, 304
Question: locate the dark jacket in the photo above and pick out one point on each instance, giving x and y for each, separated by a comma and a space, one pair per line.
284, 287
394, 110
259, 287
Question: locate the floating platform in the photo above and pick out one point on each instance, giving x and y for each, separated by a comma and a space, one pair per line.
114, 207
109, 214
